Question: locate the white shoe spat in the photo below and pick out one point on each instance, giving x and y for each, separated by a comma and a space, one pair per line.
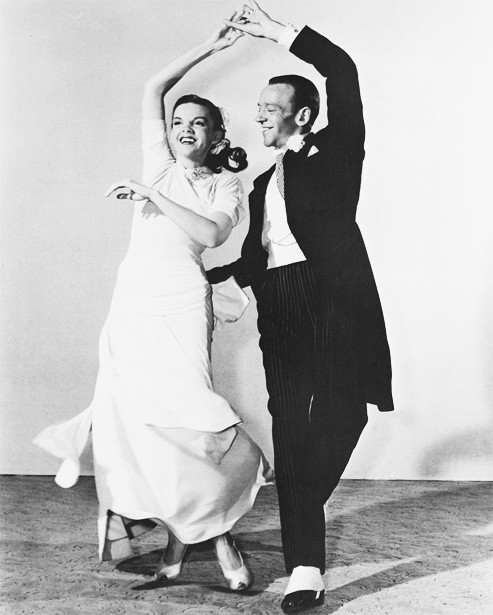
305, 578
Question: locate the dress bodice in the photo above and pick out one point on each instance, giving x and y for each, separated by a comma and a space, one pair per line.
162, 272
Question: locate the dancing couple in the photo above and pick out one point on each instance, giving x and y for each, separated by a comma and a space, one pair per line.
168, 450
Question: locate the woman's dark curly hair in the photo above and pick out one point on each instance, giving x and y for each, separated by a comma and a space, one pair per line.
222, 156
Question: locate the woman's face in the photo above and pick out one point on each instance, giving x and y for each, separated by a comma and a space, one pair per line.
192, 132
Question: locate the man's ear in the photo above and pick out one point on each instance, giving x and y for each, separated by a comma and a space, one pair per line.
302, 117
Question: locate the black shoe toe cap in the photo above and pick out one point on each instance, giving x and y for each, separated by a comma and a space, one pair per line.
297, 602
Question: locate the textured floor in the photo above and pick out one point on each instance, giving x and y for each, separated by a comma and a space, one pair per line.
394, 547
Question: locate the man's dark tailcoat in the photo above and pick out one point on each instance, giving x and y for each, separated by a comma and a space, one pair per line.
321, 194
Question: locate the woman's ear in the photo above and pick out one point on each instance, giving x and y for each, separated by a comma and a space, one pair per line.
217, 137
303, 115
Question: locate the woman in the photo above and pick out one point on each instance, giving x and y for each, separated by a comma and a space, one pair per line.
167, 449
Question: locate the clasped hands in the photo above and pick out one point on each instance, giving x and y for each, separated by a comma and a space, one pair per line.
253, 20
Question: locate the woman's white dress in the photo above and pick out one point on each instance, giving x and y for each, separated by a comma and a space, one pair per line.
167, 449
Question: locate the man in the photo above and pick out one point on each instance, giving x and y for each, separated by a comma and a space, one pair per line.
321, 327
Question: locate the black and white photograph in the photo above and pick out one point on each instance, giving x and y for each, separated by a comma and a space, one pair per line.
246, 299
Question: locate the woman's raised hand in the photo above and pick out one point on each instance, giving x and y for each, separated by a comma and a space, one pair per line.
226, 35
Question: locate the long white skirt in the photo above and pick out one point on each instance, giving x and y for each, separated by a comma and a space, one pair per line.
167, 449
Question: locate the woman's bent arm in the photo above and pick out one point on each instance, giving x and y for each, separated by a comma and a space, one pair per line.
210, 232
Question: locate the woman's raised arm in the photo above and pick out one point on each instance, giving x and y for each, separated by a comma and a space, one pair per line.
157, 86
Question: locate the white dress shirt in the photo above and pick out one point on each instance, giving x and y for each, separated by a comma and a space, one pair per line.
277, 237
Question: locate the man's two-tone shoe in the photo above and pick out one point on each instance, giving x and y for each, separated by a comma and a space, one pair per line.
297, 602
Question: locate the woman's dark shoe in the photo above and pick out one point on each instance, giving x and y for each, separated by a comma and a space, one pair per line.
296, 602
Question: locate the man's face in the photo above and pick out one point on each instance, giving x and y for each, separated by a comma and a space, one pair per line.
276, 114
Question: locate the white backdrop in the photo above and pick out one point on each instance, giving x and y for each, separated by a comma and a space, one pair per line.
72, 74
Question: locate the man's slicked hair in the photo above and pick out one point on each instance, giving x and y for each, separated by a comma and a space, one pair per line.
305, 94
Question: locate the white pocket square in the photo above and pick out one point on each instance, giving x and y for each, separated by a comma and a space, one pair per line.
313, 150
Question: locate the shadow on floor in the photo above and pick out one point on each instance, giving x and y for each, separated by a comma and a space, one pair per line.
437, 531
380, 534
410, 537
